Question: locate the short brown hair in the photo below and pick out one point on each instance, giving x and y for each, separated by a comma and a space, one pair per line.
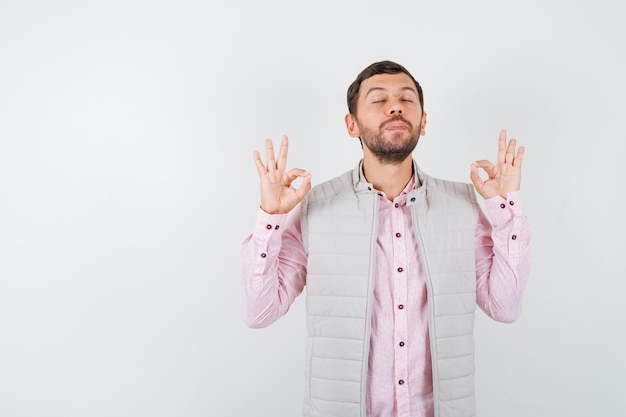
382, 67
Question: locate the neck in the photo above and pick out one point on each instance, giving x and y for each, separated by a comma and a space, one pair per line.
388, 178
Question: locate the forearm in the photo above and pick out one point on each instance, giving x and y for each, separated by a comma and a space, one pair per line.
503, 259
273, 269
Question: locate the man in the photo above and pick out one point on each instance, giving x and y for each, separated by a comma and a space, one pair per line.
394, 261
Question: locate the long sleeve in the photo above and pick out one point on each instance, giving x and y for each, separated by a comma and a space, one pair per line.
273, 267
503, 258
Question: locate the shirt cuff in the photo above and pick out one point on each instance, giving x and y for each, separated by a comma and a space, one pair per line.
268, 226
502, 210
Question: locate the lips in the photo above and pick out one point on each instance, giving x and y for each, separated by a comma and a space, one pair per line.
396, 124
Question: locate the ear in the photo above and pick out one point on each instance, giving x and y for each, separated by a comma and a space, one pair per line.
423, 124
351, 125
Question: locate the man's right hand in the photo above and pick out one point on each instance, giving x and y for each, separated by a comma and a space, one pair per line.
277, 194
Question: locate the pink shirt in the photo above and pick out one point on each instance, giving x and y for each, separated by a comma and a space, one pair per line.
399, 384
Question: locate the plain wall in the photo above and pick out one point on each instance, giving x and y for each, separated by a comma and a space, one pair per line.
127, 186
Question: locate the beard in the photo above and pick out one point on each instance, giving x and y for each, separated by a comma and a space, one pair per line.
394, 149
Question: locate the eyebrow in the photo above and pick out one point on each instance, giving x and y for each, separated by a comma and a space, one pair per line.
407, 88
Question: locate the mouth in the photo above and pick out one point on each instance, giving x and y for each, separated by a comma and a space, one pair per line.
396, 126
397, 123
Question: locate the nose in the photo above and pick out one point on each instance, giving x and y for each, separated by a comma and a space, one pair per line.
395, 108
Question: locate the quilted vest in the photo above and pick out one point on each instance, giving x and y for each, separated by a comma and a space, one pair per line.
339, 229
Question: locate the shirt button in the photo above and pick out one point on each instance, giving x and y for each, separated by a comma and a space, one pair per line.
398, 234
401, 306
401, 382
502, 205
514, 237
412, 199
400, 269
268, 227
276, 228
264, 255
397, 205
401, 344
511, 202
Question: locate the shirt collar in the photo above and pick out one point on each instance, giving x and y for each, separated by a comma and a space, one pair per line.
361, 183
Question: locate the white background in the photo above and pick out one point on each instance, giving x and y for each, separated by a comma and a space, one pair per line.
127, 185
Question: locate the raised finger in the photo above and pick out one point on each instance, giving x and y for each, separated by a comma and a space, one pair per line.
510, 152
519, 157
501, 147
269, 155
281, 163
260, 168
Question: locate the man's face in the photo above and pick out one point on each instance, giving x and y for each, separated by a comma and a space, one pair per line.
389, 117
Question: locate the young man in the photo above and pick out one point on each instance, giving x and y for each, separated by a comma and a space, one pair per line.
394, 261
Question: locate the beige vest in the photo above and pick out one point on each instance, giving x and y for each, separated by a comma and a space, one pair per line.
339, 228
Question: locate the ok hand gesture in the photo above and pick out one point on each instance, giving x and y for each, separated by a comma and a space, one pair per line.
277, 194
505, 176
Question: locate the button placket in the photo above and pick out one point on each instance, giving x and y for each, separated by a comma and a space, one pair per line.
400, 291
